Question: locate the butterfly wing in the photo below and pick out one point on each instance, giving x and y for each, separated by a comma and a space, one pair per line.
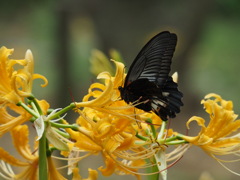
154, 60
148, 79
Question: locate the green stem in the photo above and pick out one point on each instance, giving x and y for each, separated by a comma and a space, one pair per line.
152, 169
62, 111
142, 137
163, 141
172, 141
38, 108
43, 171
139, 142
66, 135
179, 136
28, 109
57, 125
176, 142
163, 127
154, 134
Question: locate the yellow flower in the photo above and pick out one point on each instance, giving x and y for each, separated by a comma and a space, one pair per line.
112, 137
92, 174
16, 77
30, 165
104, 94
218, 137
10, 120
109, 126
52, 171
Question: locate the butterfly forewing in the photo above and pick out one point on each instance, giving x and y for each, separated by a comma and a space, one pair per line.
154, 60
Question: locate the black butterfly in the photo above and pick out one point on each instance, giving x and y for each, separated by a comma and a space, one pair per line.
148, 84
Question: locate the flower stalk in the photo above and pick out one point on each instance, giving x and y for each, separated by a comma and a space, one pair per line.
62, 111
28, 109
43, 170
162, 130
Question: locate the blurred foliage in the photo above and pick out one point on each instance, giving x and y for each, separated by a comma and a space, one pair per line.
229, 8
216, 60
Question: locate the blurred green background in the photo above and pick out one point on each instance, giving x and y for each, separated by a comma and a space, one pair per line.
61, 35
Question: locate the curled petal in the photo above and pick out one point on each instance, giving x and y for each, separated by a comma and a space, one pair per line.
39, 76
24, 78
93, 174
105, 96
218, 137
213, 95
15, 121
76, 175
30, 172
16, 82
5, 156
84, 142
110, 167
21, 141
104, 75
199, 120
120, 75
53, 173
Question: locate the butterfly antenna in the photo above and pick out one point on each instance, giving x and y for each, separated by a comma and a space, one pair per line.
71, 94
72, 97
34, 151
172, 164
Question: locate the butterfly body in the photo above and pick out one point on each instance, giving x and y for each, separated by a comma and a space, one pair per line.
148, 85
